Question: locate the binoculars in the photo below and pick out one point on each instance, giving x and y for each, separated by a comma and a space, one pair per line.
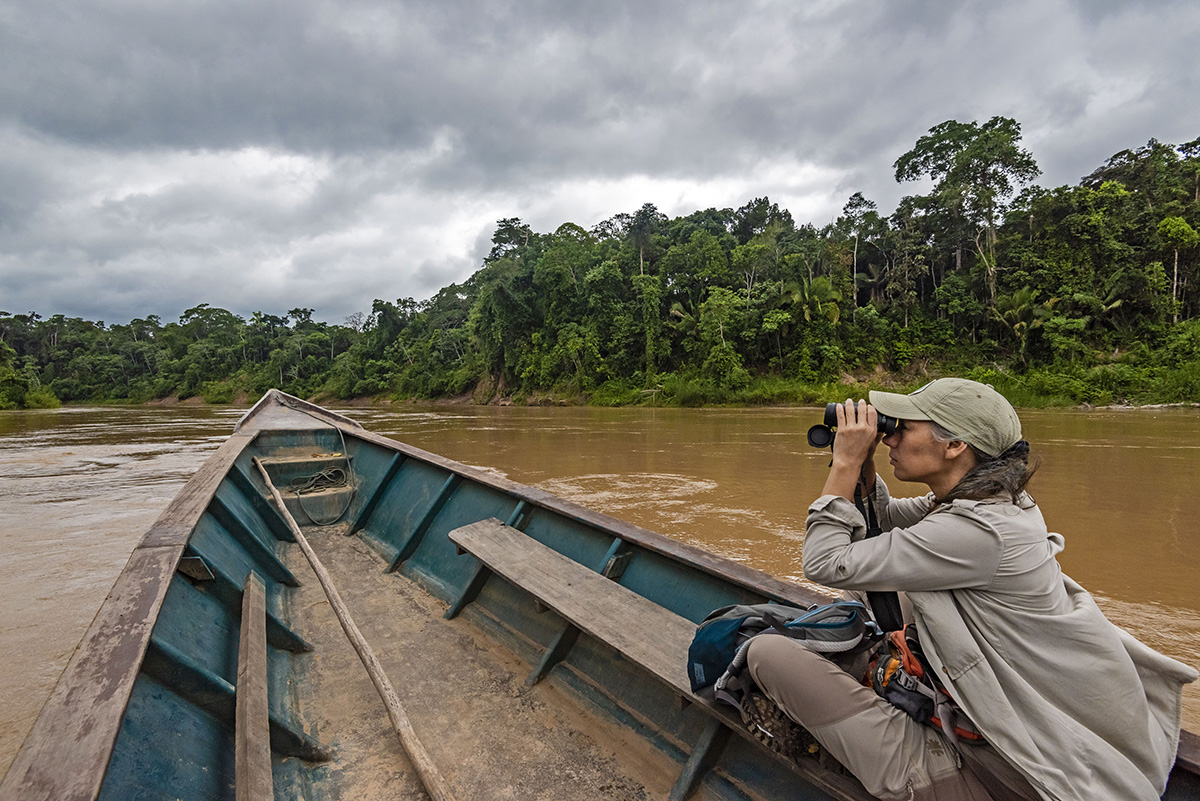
821, 435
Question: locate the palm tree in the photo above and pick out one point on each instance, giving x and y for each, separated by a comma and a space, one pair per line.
820, 298
1021, 314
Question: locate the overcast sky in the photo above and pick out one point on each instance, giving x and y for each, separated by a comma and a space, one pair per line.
269, 154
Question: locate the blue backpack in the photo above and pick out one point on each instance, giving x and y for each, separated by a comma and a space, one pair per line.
718, 650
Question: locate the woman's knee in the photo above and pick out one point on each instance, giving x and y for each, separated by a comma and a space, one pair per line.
812, 690
773, 659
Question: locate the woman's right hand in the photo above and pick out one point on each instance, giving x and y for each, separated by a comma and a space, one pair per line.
854, 447
857, 432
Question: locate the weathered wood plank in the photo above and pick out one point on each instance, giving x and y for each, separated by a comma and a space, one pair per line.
67, 751
252, 743
647, 634
174, 526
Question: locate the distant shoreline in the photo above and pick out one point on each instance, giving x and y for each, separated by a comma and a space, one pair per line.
246, 403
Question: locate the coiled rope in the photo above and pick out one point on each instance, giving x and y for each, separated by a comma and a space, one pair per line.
329, 478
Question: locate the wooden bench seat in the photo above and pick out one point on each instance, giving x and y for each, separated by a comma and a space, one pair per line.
647, 634
252, 746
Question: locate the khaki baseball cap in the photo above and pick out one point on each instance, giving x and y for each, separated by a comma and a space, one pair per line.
974, 412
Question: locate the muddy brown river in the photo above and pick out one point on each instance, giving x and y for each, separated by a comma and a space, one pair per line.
79, 487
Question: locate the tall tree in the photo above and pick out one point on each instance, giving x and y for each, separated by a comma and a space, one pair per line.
1191, 159
860, 219
510, 235
754, 217
909, 242
1176, 232
644, 223
1151, 171
975, 168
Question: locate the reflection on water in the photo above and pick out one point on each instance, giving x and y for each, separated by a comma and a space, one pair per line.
80, 486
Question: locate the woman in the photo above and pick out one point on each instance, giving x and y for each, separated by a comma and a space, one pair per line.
1070, 706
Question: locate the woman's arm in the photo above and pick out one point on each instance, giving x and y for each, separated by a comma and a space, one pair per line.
953, 549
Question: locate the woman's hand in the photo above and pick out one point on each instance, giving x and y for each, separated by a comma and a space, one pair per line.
857, 432
854, 449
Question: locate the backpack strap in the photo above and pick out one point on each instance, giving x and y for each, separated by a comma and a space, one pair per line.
947, 715
803, 628
885, 605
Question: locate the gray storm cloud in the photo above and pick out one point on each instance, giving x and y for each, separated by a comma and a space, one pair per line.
267, 155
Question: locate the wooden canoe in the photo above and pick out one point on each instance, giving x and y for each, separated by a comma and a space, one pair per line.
529, 648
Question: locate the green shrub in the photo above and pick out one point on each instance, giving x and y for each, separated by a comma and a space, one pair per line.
693, 391
41, 398
724, 366
775, 390
1119, 382
1019, 390
1178, 385
218, 391
618, 392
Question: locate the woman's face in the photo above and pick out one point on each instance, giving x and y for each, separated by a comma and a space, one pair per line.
915, 454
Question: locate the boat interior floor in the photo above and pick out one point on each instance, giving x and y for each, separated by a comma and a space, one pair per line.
463, 691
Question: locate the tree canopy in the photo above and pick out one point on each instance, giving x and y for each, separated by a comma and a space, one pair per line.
1084, 293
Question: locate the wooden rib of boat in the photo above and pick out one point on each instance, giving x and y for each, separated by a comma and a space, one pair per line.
535, 647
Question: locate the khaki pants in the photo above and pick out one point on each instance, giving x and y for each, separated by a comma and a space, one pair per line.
890, 753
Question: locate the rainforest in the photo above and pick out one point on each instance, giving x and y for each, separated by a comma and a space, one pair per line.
1083, 294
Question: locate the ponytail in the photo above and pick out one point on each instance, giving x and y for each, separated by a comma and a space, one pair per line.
1005, 475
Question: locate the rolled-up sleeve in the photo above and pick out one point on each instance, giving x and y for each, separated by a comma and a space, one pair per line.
951, 549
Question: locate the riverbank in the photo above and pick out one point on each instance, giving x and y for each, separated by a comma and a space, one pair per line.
768, 393
1106, 386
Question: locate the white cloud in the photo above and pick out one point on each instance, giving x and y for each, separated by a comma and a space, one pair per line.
323, 154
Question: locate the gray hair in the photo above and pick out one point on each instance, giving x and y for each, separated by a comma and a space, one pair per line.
992, 476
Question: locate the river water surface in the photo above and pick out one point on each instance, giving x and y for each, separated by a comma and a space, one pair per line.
79, 487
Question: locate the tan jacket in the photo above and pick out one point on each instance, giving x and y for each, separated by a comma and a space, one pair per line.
1077, 705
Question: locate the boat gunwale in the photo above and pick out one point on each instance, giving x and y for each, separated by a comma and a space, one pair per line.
98, 680
281, 398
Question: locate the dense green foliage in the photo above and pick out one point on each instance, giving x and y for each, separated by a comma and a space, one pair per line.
209, 352
21, 388
1075, 294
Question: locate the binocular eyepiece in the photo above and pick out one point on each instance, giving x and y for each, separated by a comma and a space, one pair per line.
821, 436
